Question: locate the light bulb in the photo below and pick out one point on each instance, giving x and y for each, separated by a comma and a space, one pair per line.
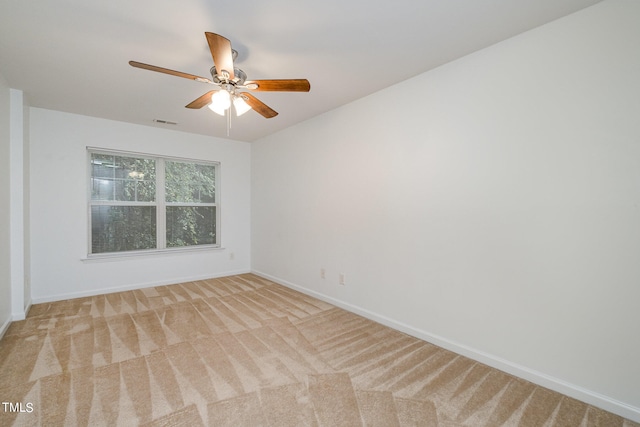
240, 105
220, 101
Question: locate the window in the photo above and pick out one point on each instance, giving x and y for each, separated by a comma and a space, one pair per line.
141, 203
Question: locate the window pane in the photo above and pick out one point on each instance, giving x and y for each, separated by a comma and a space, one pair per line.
135, 190
191, 225
121, 178
101, 189
102, 165
122, 228
190, 182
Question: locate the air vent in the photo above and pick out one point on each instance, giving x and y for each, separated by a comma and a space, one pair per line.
164, 122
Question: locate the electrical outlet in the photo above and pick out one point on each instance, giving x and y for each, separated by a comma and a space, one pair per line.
342, 279
232, 256
322, 273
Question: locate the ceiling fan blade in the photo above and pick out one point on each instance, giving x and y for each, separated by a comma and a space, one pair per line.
201, 101
258, 105
171, 72
221, 52
284, 85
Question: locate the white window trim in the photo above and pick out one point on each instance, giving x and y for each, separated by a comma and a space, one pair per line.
160, 205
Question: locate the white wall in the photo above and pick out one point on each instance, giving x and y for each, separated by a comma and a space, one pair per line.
5, 220
58, 206
491, 205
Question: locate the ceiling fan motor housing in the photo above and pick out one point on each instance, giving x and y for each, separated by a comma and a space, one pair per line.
239, 76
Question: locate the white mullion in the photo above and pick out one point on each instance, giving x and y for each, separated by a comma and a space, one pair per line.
161, 211
182, 205
119, 203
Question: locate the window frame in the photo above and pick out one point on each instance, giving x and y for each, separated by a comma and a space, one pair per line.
160, 204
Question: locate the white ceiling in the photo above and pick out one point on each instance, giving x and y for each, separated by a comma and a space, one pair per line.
72, 55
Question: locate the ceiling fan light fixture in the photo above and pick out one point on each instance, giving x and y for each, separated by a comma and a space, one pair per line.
220, 102
217, 110
240, 105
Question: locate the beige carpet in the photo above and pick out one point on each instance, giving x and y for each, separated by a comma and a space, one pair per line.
243, 351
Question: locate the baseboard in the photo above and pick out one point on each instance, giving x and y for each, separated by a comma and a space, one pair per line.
4, 327
580, 393
13, 318
133, 286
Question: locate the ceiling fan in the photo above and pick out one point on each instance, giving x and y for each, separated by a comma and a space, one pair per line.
230, 81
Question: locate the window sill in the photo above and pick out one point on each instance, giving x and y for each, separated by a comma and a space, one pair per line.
118, 256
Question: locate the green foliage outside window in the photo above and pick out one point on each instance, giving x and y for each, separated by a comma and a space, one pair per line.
120, 178
122, 228
190, 183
